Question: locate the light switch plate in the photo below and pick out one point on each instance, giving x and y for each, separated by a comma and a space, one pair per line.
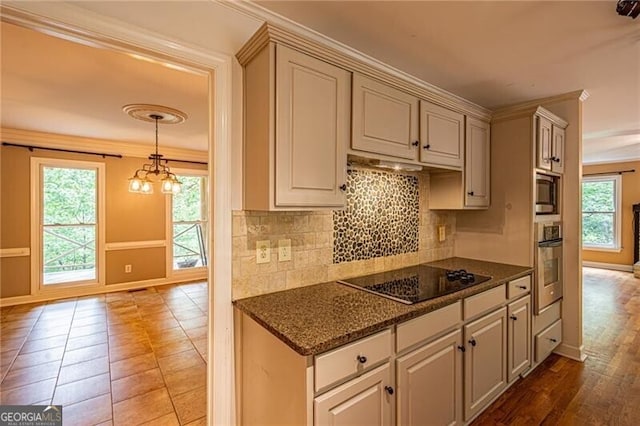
263, 251
442, 233
284, 250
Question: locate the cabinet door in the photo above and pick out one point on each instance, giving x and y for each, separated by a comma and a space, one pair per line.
557, 149
477, 164
362, 401
519, 337
485, 362
441, 136
543, 144
312, 130
385, 120
430, 383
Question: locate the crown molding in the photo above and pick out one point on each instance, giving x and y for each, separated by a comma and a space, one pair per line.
127, 149
286, 32
616, 161
528, 109
524, 107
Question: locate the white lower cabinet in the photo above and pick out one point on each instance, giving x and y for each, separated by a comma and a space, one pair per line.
485, 363
519, 331
430, 383
366, 400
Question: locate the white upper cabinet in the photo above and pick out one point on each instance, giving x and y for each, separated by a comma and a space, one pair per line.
441, 136
385, 120
557, 149
477, 164
297, 111
544, 144
550, 138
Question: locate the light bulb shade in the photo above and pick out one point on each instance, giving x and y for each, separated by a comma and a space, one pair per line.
176, 187
147, 187
135, 184
167, 185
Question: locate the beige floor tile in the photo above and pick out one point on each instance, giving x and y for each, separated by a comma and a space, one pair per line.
187, 313
87, 330
85, 341
29, 394
133, 365
202, 421
126, 339
83, 370
160, 324
127, 351
167, 420
191, 405
85, 354
142, 408
136, 384
25, 376
40, 357
196, 322
8, 344
172, 348
43, 333
179, 361
89, 412
162, 337
197, 333
81, 390
96, 318
43, 344
186, 379
16, 333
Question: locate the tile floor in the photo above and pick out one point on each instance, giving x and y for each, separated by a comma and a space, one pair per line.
125, 358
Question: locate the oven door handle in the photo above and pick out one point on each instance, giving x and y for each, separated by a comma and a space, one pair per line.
551, 243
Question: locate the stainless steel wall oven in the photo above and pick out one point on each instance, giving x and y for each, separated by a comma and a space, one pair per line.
548, 263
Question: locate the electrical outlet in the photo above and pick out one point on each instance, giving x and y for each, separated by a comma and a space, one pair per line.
442, 235
263, 251
284, 250
127, 269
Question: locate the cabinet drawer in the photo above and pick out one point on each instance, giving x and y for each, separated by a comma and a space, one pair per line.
484, 302
350, 359
547, 316
548, 340
519, 287
422, 328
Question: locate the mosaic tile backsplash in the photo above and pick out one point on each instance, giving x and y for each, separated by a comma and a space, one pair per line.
381, 217
312, 242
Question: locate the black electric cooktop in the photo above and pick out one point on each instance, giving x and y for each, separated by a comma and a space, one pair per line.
416, 283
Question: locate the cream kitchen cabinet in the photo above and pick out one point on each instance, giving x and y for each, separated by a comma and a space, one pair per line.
385, 120
441, 136
485, 364
430, 383
470, 189
550, 138
519, 337
297, 111
365, 400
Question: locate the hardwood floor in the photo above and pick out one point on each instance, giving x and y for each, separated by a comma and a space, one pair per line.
605, 389
123, 358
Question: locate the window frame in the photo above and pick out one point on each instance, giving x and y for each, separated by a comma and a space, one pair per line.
36, 200
195, 272
617, 214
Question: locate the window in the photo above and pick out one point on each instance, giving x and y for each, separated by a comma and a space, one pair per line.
601, 212
189, 222
65, 218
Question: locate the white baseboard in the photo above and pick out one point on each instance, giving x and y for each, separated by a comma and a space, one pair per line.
613, 266
571, 352
79, 292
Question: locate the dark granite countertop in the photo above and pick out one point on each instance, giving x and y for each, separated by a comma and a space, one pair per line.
317, 318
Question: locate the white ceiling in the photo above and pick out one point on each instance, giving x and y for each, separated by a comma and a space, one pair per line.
58, 86
492, 53
497, 53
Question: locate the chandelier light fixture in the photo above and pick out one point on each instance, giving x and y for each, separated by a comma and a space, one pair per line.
140, 182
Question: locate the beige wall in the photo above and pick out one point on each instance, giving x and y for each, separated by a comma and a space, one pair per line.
129, 217
630, 196
311, 235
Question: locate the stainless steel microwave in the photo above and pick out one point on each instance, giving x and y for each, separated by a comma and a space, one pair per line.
546, 194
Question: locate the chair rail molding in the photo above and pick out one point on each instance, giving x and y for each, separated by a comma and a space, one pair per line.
15, 252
